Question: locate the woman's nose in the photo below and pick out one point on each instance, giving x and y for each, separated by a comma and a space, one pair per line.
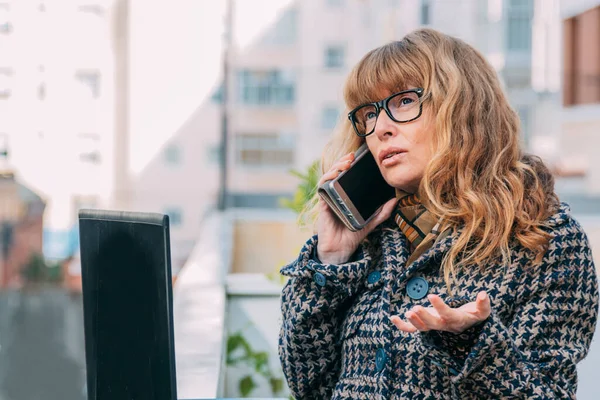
384, 126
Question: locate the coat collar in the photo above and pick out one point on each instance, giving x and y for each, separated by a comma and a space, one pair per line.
395, 250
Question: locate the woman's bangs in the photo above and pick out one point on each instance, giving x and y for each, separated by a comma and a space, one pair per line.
382, 72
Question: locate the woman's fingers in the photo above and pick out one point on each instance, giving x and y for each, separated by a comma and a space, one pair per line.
414, 319
447, 314
431, 320
444, 318
483, 306
340, 165
403, 325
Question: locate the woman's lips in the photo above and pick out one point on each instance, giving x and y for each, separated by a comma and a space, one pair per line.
393, 160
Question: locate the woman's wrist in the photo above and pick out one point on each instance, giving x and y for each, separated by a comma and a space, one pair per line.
337, 257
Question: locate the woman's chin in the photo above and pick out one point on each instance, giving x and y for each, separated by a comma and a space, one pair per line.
403, 184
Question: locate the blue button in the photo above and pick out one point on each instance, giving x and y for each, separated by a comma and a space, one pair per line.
417, 288
374, 277
453, 371
380, 359
320, 279
437, 364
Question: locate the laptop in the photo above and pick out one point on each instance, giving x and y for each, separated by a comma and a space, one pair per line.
128, 305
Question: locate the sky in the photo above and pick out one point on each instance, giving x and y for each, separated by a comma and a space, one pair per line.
176, 61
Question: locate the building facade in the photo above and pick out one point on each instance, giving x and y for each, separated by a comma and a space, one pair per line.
581, 92
59, 90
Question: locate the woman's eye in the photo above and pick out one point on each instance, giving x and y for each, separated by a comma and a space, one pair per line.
406, 101
370, 115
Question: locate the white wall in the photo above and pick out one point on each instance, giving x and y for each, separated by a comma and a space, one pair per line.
258, 316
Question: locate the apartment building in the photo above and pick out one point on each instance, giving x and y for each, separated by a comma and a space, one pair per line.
581, 91
58, 91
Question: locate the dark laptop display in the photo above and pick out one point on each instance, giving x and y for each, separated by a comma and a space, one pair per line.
127, 296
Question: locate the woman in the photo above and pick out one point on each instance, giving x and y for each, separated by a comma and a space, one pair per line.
475, 282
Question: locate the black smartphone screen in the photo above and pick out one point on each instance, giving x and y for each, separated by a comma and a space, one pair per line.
365, 186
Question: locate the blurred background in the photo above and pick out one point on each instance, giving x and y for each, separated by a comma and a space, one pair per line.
215, 113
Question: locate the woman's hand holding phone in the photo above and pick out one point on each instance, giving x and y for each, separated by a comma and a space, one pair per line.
336, 242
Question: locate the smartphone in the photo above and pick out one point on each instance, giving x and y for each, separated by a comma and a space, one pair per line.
358, 192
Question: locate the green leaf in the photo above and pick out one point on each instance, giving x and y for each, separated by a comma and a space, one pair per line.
276, 385
237, 341
261, 363
247, 385
306, 188
234, 342
299, 175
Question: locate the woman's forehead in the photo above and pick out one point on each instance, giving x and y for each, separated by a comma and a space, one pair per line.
380, 92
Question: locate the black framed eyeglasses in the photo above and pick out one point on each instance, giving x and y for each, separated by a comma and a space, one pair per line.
404, 106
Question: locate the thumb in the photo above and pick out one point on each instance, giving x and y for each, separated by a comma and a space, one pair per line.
384, 213
484, 308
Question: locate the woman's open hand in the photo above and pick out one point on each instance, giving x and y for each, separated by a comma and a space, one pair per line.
441, 317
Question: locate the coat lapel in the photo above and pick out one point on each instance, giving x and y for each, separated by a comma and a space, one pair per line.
396, 253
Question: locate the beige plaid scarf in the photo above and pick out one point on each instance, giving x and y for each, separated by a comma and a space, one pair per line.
420, 227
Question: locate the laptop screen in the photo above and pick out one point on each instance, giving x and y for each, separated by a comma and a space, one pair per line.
126, 278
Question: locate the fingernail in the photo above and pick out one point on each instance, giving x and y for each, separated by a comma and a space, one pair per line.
482, 296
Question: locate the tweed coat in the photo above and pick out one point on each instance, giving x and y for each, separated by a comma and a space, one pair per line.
336, 339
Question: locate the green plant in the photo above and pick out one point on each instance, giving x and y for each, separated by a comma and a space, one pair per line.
304, 193
306, 189
239, 352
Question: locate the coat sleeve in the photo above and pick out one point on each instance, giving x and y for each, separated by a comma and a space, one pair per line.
534, 353
313, 305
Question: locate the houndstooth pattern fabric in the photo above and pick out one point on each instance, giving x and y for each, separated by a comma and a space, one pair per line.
336, 340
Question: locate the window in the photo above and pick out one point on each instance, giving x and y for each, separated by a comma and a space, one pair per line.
272, 88
258, 200
175, 215
265, 150
425, 12
41, 91
334, 56
90, 81
520, 15
213, 153
6, 82
329, 117
89, 148
172, 154
5, 24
